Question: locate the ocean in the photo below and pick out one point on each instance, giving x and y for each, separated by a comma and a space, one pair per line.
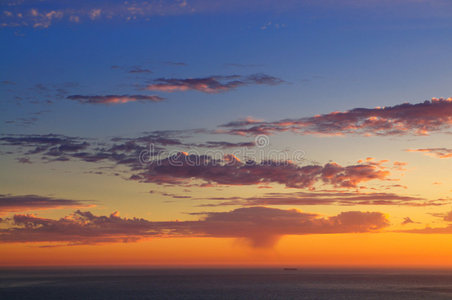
110, 283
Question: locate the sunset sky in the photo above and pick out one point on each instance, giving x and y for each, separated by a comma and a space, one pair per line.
226, 133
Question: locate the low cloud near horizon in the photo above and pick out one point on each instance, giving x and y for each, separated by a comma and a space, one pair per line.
262, 227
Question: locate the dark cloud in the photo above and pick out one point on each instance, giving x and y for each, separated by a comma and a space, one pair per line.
323, 198
407, 220
114, 99
224, 145
155, 164
175, 63
24, 122
243, 65
212, 84
24, 160
260, 226
183, 167
175, 196
20, 203
54, 144
137, 69
118, 150
7, 82
263, 227
417, 119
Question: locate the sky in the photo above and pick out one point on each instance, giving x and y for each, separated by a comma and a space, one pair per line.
226, 133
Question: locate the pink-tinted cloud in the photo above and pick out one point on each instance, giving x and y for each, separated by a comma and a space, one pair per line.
21, 203
114, 99
211, 84
434, 152
260, 226
182, 167
415, 119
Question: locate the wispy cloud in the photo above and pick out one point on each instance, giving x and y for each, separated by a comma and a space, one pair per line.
323, 198
114, 99
137, 69
22, 203
434, 152
211, 84
176, 63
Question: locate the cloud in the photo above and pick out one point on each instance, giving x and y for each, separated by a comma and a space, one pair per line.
21, 203
414, 119
49, 144
132, 69
322, 198
212, 84
243, 65
136, 69
448, 217
407, 220
431, 230
434, 152
7, 82
175, 63
118, 150
260, 226
42, 14
158, 165
435, 230
183, 167
114, 99
78, 228
224, 145
24, 122
24, 160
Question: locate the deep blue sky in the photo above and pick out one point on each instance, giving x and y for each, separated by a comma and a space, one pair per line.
332, 56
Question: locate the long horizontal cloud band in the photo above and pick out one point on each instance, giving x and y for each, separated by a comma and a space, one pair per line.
114, 99
17, 203
434, 152
417, 119
211, 84
261, 226
179, 168
231, 171
323, 198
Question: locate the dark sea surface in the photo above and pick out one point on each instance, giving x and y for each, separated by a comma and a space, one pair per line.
223, 284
